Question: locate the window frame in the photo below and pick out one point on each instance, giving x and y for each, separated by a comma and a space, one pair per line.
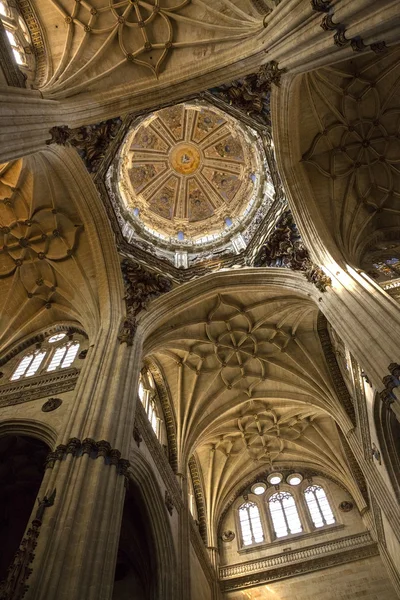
23, 41
307, 524
251, 498
50, 349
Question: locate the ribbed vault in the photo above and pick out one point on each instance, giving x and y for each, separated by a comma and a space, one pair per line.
250, 390
348, 137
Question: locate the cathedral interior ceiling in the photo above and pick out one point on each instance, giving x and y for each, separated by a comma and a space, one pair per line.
350, 144
46, 269
249, 388
186, 169
146, 40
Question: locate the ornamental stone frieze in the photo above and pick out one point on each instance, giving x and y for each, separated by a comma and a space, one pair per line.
141, 287
285, 248
297, 562
102, 448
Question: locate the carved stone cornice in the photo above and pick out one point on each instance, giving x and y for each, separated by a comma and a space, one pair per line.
141, 286
285, 248
91, 141
158, 455
333, 366
297, 562
100, 449
199, 495
49, 384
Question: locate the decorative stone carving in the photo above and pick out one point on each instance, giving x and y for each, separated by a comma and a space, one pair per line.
251, 94
82, 355
321, 5
94, 449
91, 141
390, 381
228, 536
296, 562
137, 437
339, 38
14, 587
285, 248
51, 404
376, 453
346, 506
141, 286
169, 503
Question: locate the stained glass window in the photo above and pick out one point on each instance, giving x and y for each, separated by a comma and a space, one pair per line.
284, 515
250, 524
318, 505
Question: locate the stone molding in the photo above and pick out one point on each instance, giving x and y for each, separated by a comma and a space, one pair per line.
94, 449
199, 496
164, 398
38, 41
333, 367
41, 386
158, 455
339, 38
297, 562
201, 552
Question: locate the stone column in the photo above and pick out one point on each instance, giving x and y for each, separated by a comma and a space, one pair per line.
77, 546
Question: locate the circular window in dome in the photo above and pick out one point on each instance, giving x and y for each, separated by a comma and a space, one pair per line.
294, 478
183, 169
275, 478
258, 488
56, 338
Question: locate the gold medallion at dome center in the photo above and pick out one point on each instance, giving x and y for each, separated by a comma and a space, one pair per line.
184, 159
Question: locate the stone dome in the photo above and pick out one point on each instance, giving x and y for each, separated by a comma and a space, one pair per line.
189, 172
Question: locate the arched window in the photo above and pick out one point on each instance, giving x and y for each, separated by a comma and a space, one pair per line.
318, 505
146, 392
284, 515
56, 352
250, 524
16, 31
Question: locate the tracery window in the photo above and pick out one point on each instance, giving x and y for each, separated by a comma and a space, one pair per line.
318, 505
57, 352
284, 515
16, 31
250, 523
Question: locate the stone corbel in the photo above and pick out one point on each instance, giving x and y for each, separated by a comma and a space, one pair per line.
390, 396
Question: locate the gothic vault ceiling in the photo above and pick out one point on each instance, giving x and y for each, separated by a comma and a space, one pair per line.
350, 142
127, 39
186, 169
250, 389
46, 273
